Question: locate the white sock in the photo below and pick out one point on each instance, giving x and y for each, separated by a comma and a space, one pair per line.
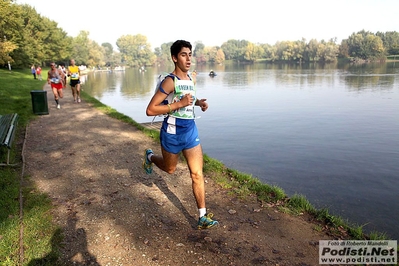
202, 212
149, 156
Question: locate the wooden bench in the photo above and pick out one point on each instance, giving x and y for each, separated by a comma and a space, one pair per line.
8, 127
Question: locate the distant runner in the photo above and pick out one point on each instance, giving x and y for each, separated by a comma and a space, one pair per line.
54, 78
74, 75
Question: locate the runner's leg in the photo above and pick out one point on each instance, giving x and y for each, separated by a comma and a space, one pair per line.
73, 88
60, 93
195, 164
55, 94
167, 162
78, 92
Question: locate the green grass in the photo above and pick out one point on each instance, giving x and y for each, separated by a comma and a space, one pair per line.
42, 238
37, 225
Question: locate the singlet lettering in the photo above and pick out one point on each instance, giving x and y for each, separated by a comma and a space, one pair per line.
183, 87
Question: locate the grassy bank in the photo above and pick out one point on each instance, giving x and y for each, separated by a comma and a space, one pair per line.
36, 226
41, 237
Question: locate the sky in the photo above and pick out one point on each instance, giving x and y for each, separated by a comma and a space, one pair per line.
215, 22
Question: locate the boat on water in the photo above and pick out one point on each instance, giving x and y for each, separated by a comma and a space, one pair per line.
119, 68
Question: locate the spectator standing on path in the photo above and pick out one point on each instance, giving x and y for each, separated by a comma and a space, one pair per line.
54, 78
39, 72
179, 132
33, 71
74, 75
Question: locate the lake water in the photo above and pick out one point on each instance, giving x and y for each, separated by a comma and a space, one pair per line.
328, 132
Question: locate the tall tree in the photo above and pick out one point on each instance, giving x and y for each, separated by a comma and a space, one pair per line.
10, 26
390, 40
80, 48
344, 49
253, 52
135, 50
220, 57
311, 51
199, 46
365, 45
269, 52
38, 40
108, 54
163, 54
234, 49
96, 54
327, 51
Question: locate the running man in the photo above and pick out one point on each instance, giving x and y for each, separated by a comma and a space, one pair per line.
74, 75
179, 131
54, 78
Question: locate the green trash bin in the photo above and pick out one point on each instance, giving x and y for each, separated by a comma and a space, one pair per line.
39, 102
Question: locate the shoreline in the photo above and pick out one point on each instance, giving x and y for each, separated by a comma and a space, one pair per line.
339, 221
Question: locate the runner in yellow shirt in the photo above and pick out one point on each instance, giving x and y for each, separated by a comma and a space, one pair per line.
74, 75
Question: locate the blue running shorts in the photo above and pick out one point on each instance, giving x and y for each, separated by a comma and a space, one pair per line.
176, 143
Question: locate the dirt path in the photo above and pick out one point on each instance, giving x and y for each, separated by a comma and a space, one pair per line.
112, 213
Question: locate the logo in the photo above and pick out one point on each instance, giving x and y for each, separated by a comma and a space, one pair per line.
357, 252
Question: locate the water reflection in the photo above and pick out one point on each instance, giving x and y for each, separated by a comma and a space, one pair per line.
130, 83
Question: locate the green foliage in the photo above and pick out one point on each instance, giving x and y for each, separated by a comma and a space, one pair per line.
390, 40
80, 48
163, 54
109, 58
10, 27
30, 38
199, 46
253, 52
135, 50
365, 45
300, 204
300, 51
235, 49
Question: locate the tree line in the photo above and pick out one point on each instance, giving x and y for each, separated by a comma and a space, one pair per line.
28, 38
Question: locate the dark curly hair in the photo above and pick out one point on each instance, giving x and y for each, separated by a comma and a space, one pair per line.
178, 45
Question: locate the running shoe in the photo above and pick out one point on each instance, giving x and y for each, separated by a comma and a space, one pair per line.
79, 100
58, 106
206, 221
147, 164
